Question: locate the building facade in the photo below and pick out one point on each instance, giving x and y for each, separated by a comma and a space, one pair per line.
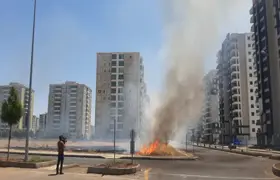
35, 124
120, 90
266, 29
211, 108
23, 95
69, 110
239, 112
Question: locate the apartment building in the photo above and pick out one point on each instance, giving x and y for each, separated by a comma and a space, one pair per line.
266, 28
35, 124
69, 110
120, 90
239, 112
211, 108
23, 94
42, 122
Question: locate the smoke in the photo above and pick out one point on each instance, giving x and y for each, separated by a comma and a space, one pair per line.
191, 30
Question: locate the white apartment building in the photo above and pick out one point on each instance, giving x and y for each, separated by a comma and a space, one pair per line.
211, 108
69, 110
35, 124
23, 94
239, 114
120, 90
42, 122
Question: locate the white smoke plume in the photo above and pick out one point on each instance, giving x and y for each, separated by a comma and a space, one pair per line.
191, 30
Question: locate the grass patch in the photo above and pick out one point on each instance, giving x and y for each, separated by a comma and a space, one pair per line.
37, 159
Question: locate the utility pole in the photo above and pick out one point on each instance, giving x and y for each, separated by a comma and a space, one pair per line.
29, 115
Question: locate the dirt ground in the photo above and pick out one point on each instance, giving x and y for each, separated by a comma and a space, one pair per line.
52, 142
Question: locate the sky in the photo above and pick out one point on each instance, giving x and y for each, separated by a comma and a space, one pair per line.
69, 33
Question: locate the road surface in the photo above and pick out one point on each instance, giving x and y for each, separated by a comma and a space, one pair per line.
212, 165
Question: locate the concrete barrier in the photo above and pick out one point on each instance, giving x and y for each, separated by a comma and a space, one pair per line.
113, 171
31, 165
276, 169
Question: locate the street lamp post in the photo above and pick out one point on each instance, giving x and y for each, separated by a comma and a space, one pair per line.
30, 85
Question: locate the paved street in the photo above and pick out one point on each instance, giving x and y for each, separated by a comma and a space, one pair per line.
212, 165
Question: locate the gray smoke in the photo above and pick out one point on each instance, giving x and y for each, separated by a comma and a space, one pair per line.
192, 29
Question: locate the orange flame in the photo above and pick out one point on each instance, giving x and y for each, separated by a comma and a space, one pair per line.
153, 148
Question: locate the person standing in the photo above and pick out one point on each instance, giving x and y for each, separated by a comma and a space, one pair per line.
60, 156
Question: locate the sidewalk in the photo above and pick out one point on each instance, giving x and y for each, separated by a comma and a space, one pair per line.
28, 174
67, 154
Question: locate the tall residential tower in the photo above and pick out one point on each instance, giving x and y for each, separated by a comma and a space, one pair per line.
120, 90
69, 110
239, 112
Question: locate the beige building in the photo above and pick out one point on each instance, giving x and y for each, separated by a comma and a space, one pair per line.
23, 92
120, 93
239, 112
69, 110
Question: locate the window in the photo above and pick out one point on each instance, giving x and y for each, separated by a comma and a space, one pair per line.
120, 90
248, 37
252, 105
250, 67
120, 111
121, 76
113, 77
252, 97
251, 90
113, 90
250, 60
253, 130
249, 45
121, 83
114, 63
252, 113
250, 74
121, 63
114, 56
120, 98
113, 104
113, 97
113, 70
253, 121
120, 104
121, 56
99, 91
249, 53
121, 70
113, 84
251, 82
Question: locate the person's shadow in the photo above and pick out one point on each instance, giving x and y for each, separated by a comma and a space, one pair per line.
53, 174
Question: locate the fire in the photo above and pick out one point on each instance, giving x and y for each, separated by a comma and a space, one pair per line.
155, 148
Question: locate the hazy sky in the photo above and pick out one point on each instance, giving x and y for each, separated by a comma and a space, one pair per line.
70, 32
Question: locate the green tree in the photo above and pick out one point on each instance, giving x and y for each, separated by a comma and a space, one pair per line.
11, 112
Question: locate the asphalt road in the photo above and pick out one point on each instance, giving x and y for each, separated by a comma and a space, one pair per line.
212, 165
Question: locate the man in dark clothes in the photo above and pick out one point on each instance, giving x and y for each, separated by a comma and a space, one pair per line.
60, 156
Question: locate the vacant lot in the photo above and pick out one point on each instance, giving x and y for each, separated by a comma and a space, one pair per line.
52, 142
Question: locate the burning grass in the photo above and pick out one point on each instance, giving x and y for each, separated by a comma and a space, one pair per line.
161, 149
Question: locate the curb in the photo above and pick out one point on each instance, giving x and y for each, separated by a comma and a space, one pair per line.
113, 171
160, 158
255, 154
65, 155
29, 165
275, 170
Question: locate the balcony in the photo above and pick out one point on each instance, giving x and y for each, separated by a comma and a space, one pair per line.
252, 19
251, 10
